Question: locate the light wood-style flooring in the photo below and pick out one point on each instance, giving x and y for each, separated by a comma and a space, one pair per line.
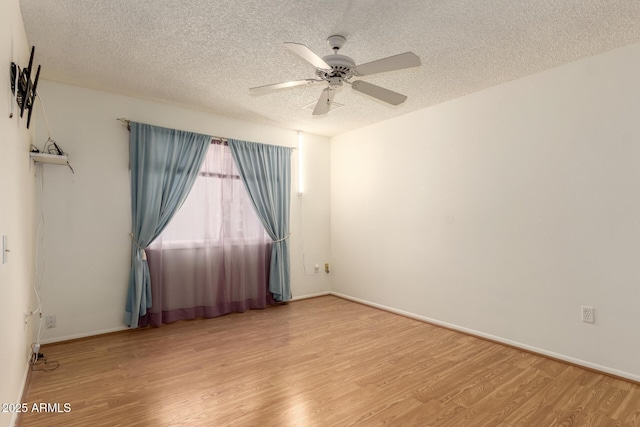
318, 362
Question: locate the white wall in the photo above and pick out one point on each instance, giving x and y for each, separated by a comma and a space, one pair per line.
88, 213
504, 211
16, 216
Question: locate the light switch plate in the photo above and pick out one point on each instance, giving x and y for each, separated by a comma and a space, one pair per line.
4, 249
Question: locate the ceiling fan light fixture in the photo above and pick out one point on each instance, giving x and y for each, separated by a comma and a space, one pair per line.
335, 81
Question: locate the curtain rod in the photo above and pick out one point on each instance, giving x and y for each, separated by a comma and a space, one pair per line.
127, 123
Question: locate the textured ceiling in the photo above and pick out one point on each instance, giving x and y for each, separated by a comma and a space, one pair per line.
205, 54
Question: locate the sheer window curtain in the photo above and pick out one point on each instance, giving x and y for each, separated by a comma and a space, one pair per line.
213, 258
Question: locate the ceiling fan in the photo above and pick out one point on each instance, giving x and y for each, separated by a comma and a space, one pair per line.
336, 69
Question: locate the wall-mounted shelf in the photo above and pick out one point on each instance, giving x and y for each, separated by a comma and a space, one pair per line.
55, 159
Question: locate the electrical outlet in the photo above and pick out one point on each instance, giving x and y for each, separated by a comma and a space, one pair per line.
50, 321
588, 314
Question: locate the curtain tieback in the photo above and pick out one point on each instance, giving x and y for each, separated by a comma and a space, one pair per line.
144, 253
284, 238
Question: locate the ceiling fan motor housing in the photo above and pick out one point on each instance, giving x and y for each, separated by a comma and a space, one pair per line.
341, 66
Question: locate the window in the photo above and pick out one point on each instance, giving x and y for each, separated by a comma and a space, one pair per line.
213, 257
217, 210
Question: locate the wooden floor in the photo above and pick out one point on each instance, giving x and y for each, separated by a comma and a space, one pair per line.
318, 362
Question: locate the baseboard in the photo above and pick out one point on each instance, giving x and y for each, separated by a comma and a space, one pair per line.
82, 335
319, 294
124, 328
561, 357
22, 394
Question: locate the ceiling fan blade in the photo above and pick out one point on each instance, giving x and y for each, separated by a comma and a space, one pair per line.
269, 88
324, 102
391, 63
308, 55
386, 95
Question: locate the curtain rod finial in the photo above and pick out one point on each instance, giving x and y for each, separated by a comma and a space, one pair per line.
125, 122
